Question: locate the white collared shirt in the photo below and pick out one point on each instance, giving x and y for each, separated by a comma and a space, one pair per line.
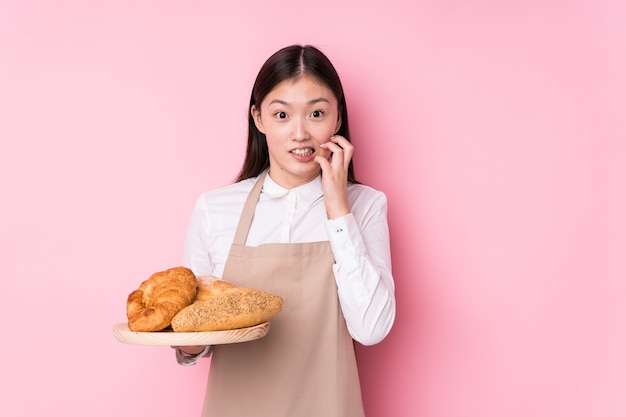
359, 240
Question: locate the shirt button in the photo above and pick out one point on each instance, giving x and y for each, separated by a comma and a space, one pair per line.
339, 230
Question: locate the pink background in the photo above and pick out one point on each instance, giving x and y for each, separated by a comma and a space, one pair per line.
498, 132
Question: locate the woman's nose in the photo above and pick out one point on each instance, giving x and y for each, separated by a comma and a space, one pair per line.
300, 131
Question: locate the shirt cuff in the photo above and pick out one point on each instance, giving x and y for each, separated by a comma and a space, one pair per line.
189, 360
346, 241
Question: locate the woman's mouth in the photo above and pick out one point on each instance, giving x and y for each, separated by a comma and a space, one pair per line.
302, 152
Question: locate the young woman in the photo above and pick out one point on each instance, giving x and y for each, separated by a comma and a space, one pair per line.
298, 224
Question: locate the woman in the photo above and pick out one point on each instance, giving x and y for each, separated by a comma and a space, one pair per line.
296, 223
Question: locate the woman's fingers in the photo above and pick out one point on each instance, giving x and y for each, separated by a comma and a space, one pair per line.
335, 175
341, 149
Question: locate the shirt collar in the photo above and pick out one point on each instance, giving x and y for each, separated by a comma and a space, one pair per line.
309, 192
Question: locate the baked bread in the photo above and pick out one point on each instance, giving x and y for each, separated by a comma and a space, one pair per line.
157, 300
222, 306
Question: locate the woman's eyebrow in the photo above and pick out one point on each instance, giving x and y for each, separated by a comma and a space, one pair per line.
278, 101
318, 100
314, 101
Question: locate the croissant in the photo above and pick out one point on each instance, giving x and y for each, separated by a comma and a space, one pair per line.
152, 306
222, 306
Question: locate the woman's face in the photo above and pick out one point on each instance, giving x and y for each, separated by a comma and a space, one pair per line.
296, 117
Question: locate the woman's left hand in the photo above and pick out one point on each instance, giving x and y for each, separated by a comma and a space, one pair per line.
335, 175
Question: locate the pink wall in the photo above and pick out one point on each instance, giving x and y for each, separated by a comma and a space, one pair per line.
497, 132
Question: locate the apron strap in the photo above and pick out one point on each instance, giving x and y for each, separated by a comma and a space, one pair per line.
248, 212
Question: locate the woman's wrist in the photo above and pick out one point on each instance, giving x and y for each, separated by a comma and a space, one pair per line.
191, 350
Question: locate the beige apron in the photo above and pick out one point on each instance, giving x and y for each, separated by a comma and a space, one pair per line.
306, 365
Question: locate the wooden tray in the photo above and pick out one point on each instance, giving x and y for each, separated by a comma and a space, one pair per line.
170, 338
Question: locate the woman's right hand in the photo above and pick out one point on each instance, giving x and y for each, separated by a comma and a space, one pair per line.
190, 350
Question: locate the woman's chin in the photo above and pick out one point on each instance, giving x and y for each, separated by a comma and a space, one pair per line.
296, 176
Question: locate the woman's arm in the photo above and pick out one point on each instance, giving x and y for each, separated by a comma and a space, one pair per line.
360, 242
196, 252
196, 258
359, 236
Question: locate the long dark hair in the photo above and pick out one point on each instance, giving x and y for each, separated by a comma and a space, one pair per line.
290, 63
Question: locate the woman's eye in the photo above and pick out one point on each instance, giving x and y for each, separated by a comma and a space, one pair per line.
281, 115
317, 113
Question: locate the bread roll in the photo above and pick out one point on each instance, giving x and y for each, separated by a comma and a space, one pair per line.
157, 300
222, 306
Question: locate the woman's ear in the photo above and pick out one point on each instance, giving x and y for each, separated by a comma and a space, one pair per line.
338, 124
256, 116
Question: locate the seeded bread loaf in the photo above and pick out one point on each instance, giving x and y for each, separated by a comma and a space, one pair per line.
222, 306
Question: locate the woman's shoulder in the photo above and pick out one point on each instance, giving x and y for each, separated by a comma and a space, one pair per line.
362, 191
365, 200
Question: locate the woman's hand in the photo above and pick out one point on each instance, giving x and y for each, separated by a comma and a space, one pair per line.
190, 350
335, 175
